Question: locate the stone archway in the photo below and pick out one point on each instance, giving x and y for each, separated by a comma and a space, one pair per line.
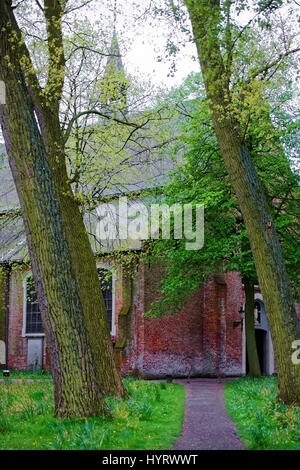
263, 339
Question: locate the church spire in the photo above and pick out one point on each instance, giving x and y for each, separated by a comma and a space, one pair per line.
114, 60
114, 83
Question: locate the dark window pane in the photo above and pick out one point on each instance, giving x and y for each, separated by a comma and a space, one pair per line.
105, 278
33, 316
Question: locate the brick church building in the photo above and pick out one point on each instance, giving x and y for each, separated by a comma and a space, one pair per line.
205, 338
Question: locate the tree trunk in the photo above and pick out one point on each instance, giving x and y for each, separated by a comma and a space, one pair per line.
253, 362
63, 264
284, 324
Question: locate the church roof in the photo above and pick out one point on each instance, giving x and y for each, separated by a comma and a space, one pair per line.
146, 172
149, 168
8, 195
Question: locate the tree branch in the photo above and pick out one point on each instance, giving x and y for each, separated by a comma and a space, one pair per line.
267, 67
39, 5
98, 113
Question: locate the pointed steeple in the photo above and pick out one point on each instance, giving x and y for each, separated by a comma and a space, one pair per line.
115, 60
114, 83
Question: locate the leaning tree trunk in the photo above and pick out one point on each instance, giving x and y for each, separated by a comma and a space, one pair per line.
284, 324
63, 264
253, 362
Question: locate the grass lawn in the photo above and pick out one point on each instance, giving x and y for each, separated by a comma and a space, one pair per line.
262, 422
28, 374
150, 419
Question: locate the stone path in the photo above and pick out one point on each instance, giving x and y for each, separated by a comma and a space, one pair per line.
206, 425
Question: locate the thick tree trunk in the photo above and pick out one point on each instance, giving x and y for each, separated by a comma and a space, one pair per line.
253, 362
284, 324
63, 264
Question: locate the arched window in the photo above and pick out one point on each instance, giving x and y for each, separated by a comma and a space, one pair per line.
33, 320
32, 324
106, 278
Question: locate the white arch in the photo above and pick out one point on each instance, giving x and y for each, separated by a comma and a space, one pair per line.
269, 353
258, 296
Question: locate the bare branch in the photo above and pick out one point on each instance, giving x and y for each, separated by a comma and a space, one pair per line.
17, 5
77, 8
86, 48
275, 62
39, 5
97, 113
251, 20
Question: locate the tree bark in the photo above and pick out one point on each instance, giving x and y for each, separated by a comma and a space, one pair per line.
205, 17
63, 264
253, 362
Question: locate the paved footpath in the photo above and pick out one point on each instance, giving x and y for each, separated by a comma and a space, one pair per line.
206, 425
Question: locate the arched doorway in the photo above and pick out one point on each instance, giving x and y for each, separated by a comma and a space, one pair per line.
263, 340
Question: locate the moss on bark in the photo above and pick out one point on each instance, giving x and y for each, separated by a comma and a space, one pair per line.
63, 264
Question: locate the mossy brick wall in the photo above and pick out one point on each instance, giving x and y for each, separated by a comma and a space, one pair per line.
133, 354
235, 297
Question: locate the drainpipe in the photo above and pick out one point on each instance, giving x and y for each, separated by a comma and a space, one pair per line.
7, 268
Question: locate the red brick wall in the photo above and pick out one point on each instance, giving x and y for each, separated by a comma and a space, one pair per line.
2, 312
234, 300
201, 339
198, 340
173, 344
17, 344
298, 310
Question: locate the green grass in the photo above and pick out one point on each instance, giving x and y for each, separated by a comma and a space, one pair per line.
151, 418
27, 374
262, 421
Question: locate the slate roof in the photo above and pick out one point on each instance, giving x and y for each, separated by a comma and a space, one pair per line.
12, 236
145, 174
8, 195
13, 240
148, 169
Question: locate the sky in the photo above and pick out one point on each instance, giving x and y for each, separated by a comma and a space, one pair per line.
141, 41
143, 38
142, 61
148, 37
